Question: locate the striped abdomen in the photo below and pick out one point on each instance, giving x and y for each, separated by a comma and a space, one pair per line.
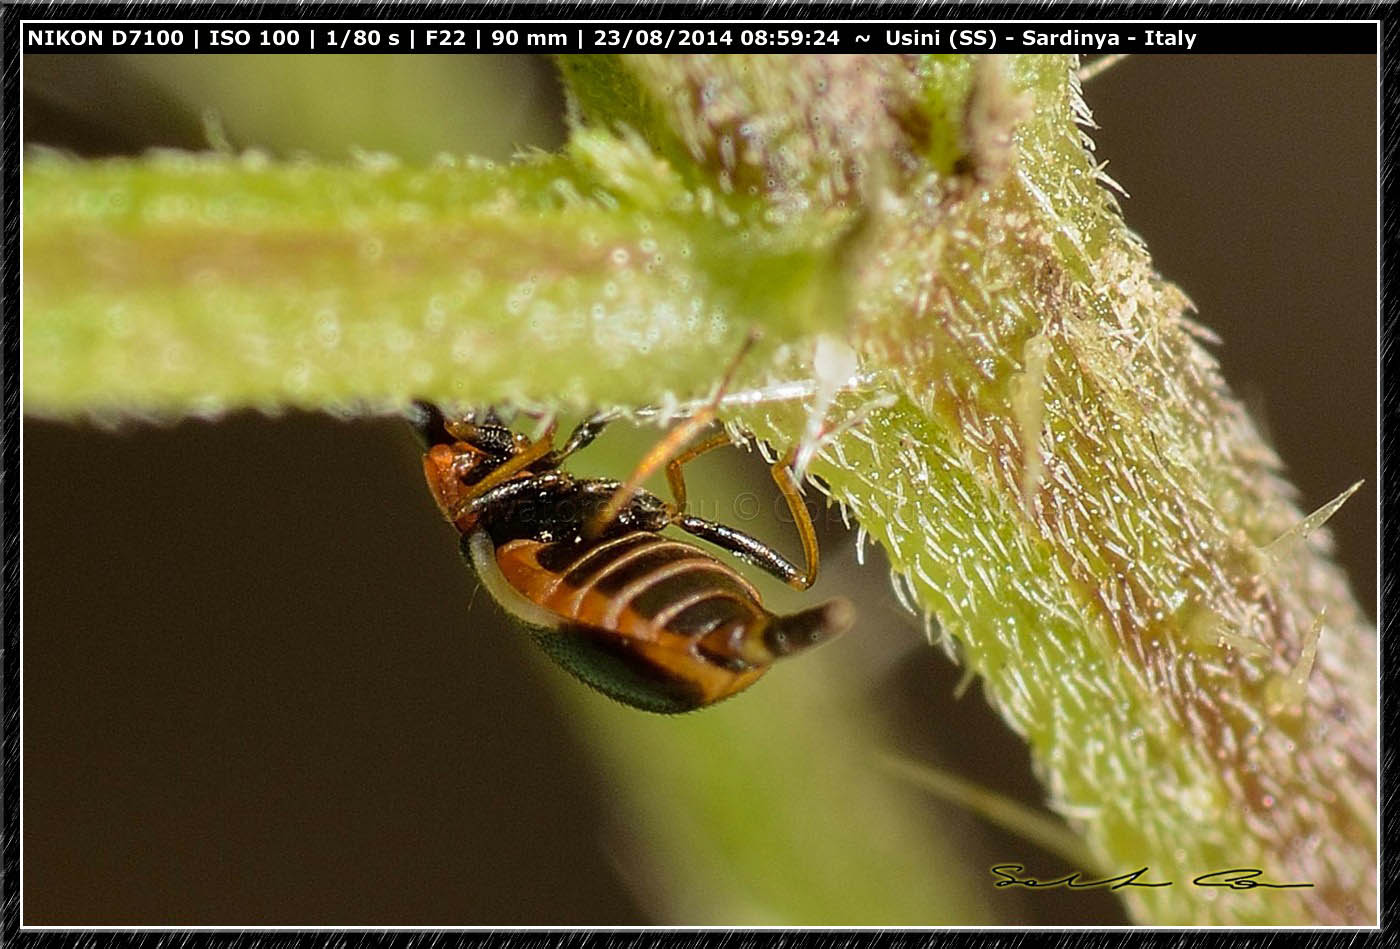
669, 612
640, 584
656, 623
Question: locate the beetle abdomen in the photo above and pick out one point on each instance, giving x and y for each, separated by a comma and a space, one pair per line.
639, 584
631, 615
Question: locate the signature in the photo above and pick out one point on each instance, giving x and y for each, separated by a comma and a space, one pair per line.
1237, 878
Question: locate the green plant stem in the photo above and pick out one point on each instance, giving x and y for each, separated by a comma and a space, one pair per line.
185, 283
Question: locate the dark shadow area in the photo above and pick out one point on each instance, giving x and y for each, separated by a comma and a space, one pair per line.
253, 692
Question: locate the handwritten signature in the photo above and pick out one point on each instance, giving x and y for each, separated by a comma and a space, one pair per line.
1237, 878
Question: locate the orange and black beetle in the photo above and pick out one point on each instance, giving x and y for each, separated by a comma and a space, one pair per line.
656, 623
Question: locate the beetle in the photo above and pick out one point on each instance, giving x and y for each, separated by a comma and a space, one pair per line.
656, 623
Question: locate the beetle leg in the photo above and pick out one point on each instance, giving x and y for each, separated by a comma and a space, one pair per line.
668, 448
744, 546
518, 463
676, 478
581, 437
750, 548
508, 491
665, 450
490, 435
460, 429
806, 530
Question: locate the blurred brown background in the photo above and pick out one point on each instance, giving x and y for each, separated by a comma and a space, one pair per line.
254, 694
